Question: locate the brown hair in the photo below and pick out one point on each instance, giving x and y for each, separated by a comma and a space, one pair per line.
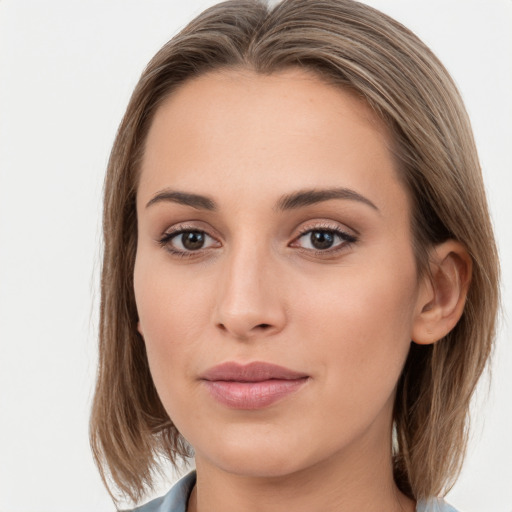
353, 46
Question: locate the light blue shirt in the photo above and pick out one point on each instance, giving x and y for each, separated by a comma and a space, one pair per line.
176, 499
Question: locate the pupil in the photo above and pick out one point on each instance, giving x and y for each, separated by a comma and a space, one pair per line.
322, 239
192, 240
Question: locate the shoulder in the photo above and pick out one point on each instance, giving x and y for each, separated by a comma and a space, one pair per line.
175, 500
434, 505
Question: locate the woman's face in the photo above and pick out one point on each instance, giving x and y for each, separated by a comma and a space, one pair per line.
275, 278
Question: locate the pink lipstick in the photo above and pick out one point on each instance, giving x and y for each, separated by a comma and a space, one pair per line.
252, 386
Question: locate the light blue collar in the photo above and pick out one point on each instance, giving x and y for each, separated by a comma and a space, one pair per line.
177, 498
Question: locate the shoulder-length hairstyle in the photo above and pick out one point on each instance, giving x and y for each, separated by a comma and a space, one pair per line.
355, 47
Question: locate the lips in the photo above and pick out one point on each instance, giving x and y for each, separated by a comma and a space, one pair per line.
252, 386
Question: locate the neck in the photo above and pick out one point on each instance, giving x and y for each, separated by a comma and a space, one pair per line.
360, 478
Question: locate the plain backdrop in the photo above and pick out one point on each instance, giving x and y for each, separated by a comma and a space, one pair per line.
67, 68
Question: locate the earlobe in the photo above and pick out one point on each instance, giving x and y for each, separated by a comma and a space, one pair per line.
139, 329
443, 293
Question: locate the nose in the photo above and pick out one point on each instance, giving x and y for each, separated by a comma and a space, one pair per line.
250, 301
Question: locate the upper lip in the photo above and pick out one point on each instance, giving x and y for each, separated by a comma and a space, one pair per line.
252, 372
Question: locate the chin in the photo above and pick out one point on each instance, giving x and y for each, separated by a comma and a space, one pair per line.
253, 454
260, 465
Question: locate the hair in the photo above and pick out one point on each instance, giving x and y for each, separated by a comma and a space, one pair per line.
356, 48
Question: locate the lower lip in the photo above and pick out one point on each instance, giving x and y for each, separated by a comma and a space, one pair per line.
252, 395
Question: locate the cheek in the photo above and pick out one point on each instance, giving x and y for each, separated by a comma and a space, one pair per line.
360, 325
172, 316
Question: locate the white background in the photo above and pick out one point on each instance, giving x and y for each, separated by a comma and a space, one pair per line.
67, 68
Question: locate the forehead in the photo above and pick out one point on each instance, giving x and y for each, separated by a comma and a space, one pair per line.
225, 99
264, 134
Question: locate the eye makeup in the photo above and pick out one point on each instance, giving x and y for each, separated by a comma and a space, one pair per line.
318, 239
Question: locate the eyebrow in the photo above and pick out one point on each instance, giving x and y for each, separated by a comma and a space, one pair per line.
196, 201
291, 201
308, 197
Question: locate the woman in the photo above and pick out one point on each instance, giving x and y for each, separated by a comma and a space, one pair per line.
300, 280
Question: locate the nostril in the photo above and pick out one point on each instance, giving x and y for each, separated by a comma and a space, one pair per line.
242, 329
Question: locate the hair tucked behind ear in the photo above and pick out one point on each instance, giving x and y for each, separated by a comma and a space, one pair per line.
353, 46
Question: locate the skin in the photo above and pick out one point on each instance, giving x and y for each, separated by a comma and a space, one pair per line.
258, 291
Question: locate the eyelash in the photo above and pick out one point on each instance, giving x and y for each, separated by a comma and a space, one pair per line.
347, 240
165, 241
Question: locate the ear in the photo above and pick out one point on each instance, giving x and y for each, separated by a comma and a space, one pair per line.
442, 293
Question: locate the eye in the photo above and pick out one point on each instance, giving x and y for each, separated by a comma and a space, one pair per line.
185, 241
324, 240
